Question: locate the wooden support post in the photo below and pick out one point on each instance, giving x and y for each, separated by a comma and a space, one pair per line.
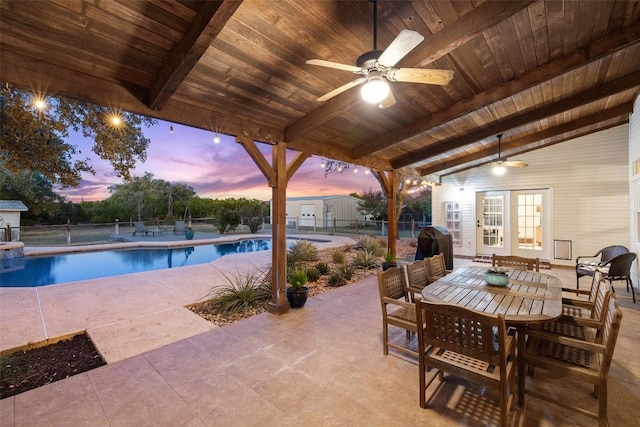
389, 186
277, 175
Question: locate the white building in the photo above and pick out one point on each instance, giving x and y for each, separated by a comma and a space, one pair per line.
10, 219
321, 211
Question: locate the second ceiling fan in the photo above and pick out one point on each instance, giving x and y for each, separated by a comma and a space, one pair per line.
377, 68
499, 166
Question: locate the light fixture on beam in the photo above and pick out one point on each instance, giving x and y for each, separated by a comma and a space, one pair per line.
171, 129
216, 139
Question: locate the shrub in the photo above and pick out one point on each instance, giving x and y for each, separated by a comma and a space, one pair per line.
370, 244
302, 250
313, 274
365, 259
336, 279
346, 271
338, 257
226, 220
322, 267
298, 279
346, 248
242, 292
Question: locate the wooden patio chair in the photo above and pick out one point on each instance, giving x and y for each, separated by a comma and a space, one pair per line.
417, 276
577, 323
437, 267
580, 307
515, 262
619, 268
397, 308
586, 264
573, 358
467, 344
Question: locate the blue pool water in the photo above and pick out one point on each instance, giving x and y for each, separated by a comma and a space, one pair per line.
61, 268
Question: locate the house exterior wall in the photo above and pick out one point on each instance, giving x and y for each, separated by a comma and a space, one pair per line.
589, 191
634, 184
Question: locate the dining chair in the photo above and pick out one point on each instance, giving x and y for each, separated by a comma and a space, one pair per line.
417, 275
577, 359
619, 268
582, 321
397, 307
515, 262
586, 264
437, 267
467, 344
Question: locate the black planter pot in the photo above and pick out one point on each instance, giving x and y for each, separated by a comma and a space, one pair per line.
297, 299
387, 265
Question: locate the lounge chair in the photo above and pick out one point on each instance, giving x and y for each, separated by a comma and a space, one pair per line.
143, 229
179, 227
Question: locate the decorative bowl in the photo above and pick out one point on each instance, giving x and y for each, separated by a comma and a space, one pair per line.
495, 279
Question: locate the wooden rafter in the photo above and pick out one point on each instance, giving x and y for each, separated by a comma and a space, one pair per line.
600, 48
607, 89
435, 46
620, 111
209, 21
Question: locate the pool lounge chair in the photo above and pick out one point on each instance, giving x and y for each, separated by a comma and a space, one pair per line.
179, 227
143, 229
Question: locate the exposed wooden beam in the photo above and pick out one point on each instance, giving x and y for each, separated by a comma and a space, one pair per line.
456, 34
296, 163
259, 159
60, 81
208, 22
433, 47
578, 58
607, 89
608, 114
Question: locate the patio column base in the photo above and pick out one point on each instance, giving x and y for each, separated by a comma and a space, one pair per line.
278, 308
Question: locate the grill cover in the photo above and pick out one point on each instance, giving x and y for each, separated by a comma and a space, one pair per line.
434, 240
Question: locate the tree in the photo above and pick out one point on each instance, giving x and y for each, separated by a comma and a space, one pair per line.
34, 190
373, 203
226, 220
33, 138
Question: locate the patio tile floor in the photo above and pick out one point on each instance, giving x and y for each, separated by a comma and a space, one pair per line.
318, 366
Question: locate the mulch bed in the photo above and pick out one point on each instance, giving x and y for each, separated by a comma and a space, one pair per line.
26, 370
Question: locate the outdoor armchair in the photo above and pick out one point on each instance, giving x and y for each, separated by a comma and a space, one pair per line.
437, 267
619, 268
515, 262
397, 308
586, 264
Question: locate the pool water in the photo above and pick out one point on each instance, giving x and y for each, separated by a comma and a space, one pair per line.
33, 271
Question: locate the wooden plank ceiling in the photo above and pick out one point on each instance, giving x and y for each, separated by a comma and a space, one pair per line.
540, 72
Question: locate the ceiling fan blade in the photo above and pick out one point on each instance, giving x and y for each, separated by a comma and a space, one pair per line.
420, 75
388, 101
341, 89
515, 164
404, 43
329, 64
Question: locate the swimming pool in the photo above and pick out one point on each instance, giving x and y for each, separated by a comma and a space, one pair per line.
34, 271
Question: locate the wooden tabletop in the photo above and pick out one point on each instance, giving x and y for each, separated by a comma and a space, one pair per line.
530, 297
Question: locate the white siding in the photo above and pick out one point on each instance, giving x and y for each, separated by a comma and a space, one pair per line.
634, 185
588, 179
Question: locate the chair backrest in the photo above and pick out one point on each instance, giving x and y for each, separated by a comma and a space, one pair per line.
610, 252
417, 274
462, 331
391, 284
609, 336
437, 266
601, 301
180, 226
140, 226
620, 266
598, 279
516, 262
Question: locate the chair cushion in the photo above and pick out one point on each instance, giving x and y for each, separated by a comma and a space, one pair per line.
588, 268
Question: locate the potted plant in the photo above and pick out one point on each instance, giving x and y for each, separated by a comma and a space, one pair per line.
389, 260
297, 292
188, 233
497, 276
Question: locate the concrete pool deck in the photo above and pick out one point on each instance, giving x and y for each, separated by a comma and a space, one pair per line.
128, 314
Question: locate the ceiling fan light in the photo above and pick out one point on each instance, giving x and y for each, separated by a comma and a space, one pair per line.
375, 90
499, 170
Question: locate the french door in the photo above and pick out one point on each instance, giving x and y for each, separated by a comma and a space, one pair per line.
513, 223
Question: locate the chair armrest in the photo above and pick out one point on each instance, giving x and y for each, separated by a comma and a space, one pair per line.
597, 254
576, 291
580, 321
400, 303
561, 339
578, 303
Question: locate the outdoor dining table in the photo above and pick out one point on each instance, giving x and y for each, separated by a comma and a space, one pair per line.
529, 298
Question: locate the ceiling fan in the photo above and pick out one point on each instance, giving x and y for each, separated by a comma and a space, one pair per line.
377, 68
499, 166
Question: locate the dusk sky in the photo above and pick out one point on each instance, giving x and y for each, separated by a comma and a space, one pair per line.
222, 170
